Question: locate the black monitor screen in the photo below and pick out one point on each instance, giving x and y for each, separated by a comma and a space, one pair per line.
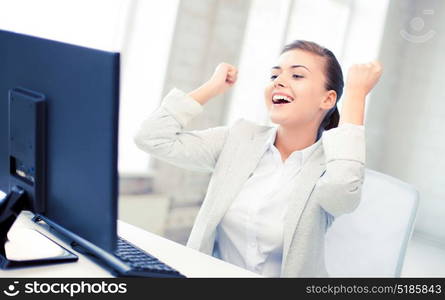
81, 88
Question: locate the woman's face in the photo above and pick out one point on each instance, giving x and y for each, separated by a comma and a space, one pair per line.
299, 77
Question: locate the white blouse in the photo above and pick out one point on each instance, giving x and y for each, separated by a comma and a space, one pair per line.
250, 235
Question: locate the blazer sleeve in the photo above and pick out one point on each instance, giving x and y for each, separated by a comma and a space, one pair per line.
338, 191
163, 136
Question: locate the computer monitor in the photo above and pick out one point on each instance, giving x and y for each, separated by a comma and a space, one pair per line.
59, 107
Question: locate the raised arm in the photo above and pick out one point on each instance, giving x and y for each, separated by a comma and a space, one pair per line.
361, 80
338, 191
162, 134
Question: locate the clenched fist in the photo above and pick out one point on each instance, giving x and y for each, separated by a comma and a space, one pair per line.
223, 78
363, 77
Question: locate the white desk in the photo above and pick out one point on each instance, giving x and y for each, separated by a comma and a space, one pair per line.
189, 262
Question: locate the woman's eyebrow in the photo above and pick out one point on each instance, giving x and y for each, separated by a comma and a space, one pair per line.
291, 67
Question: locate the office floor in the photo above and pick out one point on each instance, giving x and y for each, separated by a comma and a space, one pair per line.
424, 257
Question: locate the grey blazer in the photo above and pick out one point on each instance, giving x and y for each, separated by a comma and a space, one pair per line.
329, 184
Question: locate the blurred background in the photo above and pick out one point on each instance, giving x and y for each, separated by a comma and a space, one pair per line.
166, 44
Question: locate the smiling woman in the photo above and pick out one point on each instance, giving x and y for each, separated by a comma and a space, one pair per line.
318, 76
274, 191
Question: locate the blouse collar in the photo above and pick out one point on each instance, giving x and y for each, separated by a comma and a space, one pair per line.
302, 155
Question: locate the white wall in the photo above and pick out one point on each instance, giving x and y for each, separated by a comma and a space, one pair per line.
405, 123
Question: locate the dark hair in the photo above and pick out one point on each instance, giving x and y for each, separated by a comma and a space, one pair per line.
334, 78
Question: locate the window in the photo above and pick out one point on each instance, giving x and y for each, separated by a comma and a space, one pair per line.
140, 30
351, 29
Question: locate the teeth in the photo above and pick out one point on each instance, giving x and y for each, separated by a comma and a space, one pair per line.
281, 97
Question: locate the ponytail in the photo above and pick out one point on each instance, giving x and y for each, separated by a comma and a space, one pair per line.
333, 119
330, 121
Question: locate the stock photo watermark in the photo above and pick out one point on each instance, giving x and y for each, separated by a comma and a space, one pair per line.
417, 32
72, 288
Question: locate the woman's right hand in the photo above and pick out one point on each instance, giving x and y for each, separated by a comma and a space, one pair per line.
223, 78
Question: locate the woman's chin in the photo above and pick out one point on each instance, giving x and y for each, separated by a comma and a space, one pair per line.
282, 119
277, 119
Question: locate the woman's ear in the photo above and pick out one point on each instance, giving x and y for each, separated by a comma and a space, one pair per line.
329, 100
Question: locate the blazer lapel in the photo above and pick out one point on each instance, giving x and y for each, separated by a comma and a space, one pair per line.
246, 157
305, 183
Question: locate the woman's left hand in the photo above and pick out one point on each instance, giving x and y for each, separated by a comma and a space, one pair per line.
363, 77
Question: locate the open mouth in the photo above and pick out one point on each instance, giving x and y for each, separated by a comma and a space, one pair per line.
281, 99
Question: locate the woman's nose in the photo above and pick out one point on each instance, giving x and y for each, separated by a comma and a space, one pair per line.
278, 82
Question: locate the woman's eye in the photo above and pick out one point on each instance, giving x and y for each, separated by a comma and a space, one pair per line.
294, 76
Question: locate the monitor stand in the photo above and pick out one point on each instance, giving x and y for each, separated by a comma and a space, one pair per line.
21, 247
27, 152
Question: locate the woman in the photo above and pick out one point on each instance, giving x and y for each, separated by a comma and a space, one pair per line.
274, 190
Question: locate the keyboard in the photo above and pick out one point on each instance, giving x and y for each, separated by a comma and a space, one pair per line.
141, 263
